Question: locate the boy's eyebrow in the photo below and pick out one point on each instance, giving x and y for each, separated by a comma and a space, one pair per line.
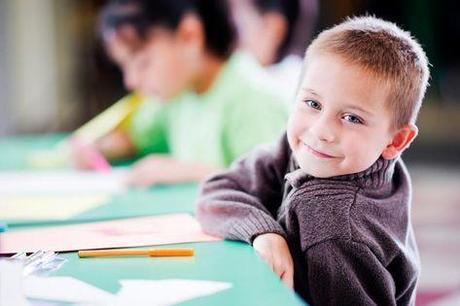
358, 108
311, 91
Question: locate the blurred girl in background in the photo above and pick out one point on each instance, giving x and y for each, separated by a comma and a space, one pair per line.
209, 104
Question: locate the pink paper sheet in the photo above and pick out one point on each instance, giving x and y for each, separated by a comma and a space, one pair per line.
133, 232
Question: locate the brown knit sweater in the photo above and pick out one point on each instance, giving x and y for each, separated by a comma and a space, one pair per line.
350, 236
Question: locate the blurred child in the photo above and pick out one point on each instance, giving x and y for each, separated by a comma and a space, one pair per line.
328, 206
276, 33
108, 130
214, 102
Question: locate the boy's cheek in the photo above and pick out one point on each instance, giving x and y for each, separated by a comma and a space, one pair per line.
290, 131
293, 122
297, 125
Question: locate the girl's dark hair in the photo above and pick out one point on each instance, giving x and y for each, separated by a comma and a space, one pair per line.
143, 14
287, 8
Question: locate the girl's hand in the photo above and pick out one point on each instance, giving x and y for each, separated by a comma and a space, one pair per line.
82, 155
163, 169
113, 146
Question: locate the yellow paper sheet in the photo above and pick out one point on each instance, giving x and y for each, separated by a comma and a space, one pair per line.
48, 159
48, 207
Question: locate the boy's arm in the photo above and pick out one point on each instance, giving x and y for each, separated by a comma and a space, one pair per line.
241, 203
345, 272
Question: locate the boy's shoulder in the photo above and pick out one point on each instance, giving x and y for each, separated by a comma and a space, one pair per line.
323, 210
331, 210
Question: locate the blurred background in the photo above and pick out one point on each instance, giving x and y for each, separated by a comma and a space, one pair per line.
54, 76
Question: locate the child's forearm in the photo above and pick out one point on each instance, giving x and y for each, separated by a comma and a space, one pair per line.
241, 202
164, 169
234, 203
225, 210
197, 172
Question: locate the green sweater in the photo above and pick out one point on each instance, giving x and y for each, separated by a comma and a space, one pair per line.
238, 112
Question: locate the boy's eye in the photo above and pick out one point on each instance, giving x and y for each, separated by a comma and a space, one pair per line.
353, 119
313, 104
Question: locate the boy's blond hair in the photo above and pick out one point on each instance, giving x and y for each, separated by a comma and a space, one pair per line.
386, 51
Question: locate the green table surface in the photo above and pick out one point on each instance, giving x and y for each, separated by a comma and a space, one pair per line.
15, 151
253, 282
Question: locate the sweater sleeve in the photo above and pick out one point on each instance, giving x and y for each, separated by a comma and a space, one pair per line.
242, 202
343, 272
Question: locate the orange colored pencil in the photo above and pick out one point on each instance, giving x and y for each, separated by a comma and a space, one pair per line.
137, 252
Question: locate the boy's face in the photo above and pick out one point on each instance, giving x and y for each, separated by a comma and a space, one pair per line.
339, 124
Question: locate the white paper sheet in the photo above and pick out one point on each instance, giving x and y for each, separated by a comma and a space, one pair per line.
65, 289
11, 283
165, 292
61, 182
137, 292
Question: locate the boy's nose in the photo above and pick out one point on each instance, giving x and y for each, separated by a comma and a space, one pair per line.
324, 130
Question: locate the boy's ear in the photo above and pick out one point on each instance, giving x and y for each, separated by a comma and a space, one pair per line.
400, 141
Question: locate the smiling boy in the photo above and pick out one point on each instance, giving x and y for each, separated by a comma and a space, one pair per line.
328, 205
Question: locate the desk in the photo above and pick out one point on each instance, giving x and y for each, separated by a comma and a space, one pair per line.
227, 261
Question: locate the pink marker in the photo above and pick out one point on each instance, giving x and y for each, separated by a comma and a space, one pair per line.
96, 160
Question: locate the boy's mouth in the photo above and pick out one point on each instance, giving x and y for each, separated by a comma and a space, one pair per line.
317, 153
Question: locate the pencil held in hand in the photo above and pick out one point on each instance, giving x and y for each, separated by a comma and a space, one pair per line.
138, 252
86, 155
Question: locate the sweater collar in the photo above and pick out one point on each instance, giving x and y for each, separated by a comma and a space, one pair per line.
375, 176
